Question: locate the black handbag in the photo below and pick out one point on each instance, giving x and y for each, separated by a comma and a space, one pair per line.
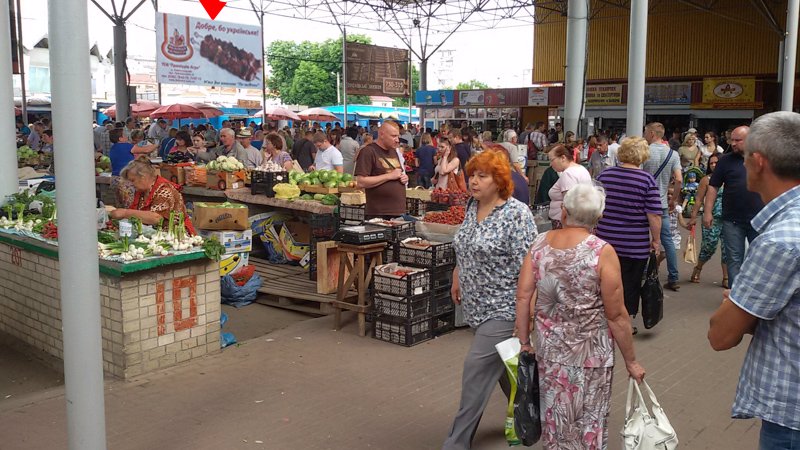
652, 295
527, 412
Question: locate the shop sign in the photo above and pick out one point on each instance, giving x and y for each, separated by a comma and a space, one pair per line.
248, 104
538, 96
374, 70
434, 98
207, 52
467, 98
603, 94
495, 98
729, 90
668, 94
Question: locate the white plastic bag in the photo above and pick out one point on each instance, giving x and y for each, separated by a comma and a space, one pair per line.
643, 430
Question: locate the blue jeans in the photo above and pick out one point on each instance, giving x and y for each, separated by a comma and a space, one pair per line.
424, 180
669, 247
777, 437
733, 237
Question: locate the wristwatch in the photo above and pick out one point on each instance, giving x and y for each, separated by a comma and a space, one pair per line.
524, 343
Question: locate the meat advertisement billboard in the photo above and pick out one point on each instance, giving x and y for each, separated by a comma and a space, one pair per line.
373, 70
195, 51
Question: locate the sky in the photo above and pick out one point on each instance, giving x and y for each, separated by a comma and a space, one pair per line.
499, 58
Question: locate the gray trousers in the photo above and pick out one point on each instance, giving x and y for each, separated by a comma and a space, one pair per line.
482, 369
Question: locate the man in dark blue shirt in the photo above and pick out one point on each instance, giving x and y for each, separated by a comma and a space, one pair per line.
739, 205
425, 155
463, 150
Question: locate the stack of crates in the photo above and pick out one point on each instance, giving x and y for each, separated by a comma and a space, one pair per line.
351, 214
323, 228
402, 308
439, 260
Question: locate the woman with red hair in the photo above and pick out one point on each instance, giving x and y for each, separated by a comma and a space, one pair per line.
490, 246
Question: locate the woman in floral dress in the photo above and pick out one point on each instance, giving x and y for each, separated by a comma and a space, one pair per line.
579, 314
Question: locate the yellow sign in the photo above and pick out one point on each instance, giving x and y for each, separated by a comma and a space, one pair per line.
603, 95
729, 90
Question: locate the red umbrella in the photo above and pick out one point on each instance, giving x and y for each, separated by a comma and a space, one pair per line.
142, 108
278, 113
318, 115
177, 111
208, 110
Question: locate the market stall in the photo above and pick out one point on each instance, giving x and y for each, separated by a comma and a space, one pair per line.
160, 294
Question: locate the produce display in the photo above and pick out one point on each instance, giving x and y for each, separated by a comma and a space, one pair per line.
225, 164
286, 191
449, 196
325, 199
269, 166
26, 156
453, 216
179, 157
326, 178
102, 164
148, 242
25, 153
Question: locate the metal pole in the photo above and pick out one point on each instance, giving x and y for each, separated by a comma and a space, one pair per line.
790, 55
780, 60
344, 72
158, 83
410, 83
263, 74
637, 55
575, 83
423, 74
120, 74
75, 200
8, 134
338, 89
20, 50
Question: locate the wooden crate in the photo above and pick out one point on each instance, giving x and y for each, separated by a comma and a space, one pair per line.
317, 189
328, 267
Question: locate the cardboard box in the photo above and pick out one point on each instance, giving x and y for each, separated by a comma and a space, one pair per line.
295, 238
231, 263
233, 241
221, 180
174, 173
215, 216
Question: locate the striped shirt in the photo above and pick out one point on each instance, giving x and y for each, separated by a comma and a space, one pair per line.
768, 288
630, 195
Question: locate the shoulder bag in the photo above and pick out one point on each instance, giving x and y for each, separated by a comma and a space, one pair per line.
643, 430
652, 295
663, 164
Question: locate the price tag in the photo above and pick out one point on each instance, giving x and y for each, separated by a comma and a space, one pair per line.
125, 228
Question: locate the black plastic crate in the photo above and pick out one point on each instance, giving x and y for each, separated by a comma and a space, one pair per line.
413, 284
400, 231
432, 257
262, 182
401, 331
352, 214
323, 226
402, 307
442, 277
390, 253
434, 206
443, 323
416, 207
441, 302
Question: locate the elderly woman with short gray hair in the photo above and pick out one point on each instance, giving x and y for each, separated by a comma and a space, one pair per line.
572, 280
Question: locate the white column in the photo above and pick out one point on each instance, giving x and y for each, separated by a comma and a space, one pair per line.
637, 60
574, 81
75, 200
8, 132
790, 55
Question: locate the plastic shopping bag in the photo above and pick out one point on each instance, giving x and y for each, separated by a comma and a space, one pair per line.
690, 255
509, 353
527, 412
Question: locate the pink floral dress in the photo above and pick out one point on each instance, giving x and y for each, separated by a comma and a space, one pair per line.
574, 346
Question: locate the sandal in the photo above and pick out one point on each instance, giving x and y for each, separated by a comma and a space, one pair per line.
696, 275
725, 283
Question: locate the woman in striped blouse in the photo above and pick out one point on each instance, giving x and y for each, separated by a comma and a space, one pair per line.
631, 222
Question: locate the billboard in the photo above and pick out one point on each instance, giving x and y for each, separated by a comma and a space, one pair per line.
373, 70
467, 98
434, 98
196, 51
668, 93
538, 96
603, 94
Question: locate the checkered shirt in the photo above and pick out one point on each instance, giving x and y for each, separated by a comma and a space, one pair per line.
768, 288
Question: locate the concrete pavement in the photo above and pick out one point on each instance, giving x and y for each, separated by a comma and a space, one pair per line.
309, 387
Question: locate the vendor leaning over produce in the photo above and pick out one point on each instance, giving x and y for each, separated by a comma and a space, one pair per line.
155, 197
228, 147
380, 172
328, 157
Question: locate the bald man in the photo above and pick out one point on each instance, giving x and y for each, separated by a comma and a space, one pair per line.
380, 172
739, 205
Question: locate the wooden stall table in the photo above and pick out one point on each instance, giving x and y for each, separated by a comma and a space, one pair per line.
361, 275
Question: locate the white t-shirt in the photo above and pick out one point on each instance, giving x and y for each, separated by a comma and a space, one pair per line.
576, 174
328, 159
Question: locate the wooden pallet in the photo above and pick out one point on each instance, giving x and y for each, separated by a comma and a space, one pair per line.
288, 287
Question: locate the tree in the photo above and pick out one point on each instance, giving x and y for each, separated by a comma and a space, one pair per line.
322, 60
471, 84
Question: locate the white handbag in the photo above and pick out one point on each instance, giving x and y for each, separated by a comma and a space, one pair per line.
642, 430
